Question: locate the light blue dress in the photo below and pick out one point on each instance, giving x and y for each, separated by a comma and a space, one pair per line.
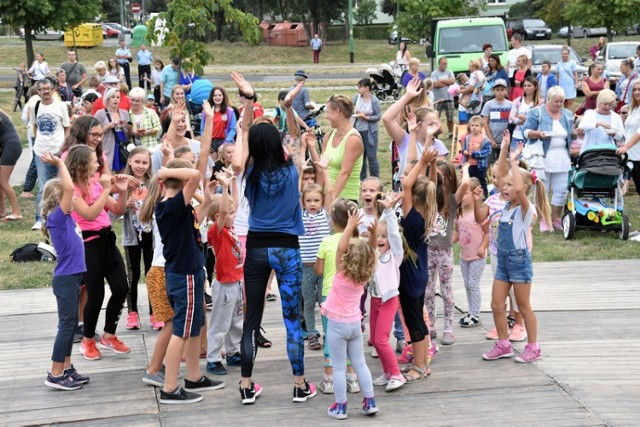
565, 78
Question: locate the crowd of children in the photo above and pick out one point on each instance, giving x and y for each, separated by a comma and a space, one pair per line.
267, 208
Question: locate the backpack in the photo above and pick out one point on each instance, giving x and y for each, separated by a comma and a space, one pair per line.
34, 252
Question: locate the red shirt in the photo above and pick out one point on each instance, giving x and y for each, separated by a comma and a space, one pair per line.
228, 251
220, 125
125, 104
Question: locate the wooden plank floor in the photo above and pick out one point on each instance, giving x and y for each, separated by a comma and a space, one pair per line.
589, 375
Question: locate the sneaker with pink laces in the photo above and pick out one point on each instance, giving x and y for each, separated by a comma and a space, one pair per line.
156, 324
114, 344
133, 320
89, 350
407, 355
518, 333
498, 352
492, 334
530, 354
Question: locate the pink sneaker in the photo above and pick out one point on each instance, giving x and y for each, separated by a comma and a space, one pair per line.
498, 352
529, 354
557, 224
155, 324
133, 320
518, 333
407, 355
544, 227
492, 334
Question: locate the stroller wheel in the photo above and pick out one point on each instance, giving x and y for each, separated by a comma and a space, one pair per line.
382, 96
624, 228
396, 95
568, 225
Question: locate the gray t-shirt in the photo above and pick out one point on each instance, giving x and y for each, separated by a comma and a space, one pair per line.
74, 74
300, 101
440, 93
498, 113
442, 234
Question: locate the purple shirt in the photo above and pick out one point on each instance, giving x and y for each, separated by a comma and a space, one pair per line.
68, 243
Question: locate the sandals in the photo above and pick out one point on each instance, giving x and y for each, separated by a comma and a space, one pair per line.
422, 374
261, 340
12, 217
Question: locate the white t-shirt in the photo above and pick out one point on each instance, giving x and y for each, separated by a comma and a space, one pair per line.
631, 127
156, 157
513, 58
51, 121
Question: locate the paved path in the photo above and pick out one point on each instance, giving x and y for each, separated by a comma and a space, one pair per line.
589, 375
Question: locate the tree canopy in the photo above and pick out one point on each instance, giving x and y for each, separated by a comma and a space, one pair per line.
36, 15
611, 14
415, 15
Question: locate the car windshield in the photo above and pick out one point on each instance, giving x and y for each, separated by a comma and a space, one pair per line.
538, 56
534, 23
471, 39
621, 51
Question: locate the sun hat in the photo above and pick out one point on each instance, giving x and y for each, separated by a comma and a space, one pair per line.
301, 73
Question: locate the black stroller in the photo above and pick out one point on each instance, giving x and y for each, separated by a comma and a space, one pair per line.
387, 81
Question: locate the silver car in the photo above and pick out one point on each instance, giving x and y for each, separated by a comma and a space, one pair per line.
613, 54
552, 53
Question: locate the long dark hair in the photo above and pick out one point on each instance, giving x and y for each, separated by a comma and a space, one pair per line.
79, 134
225, 98
498, 63
266, 153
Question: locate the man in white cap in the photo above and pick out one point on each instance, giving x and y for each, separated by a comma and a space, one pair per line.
109, 82
302, 102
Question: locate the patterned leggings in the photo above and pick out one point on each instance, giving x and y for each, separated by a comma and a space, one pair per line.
440, 261
288, 267
471, 274
311, 294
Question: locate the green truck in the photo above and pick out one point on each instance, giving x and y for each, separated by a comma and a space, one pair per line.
460, 40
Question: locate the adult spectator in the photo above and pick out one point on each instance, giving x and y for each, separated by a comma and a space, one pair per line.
50, 121
224, 121
144, 57
101, 71
443, 78
632, 134
76, 72
343, 145
156, 79
367, 115
111, 82
39, 69
187, 78
403, 56
115, 69
517, 80
124, 57
487, 50
477, 81
10, 151
593, 85
601, 124
553, 125
302, 104
496, 71
413, 72
316, 46
515, 52
597, 48
567, 70
146, 124
168, 79
113, 120
66, 94
495, 116
629, 76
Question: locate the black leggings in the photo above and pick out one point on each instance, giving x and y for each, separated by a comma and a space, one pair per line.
103, 261
635, 174
133, 255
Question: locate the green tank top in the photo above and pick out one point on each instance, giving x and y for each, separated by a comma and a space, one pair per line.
351, 189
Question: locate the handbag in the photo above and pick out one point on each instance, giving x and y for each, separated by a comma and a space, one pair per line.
622, 103
120, 151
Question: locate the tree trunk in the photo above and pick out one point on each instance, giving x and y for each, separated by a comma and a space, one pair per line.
609, 35
569, 31
29, 44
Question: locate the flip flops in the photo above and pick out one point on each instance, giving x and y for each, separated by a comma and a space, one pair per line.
12, 217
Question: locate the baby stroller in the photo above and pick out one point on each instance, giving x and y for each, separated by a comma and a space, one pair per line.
386, 81
595, 202
200, 90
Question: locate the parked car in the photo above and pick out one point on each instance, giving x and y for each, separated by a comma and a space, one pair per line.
591, 32
47, 34
110, 32
393, 36
552, 53
633, 29
532, 29
116, 26
613, 54
509, 25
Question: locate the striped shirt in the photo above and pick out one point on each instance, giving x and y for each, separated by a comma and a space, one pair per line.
316, 226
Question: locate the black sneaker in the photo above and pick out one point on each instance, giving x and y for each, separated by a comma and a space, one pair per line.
302, 394
179, 396
234, 360
248, 395
76, 376
511, 321
63, 382
216, 368
208, 301
470, 322
78, 334
204, 383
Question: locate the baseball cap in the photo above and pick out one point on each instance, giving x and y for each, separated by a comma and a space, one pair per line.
151, 97
111, 80
500, 82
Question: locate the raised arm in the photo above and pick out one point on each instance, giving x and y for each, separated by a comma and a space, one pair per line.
464, 184
90, 213
518, 186
222, 179
323, 170
205, 143
241, 153
428, 155
66, 202
393, 228
501, 164
396, 132
190, 177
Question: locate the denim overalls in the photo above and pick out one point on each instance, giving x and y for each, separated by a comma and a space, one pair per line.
514, 265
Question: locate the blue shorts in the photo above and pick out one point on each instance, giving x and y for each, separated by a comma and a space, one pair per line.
514, 266
463, 117
186, 294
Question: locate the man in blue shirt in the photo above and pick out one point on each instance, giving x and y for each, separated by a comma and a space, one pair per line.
316, 46
144, 59
169, 78
123, 56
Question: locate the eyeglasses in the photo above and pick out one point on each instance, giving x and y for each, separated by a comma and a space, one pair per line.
44, 89
624, 113
96, 135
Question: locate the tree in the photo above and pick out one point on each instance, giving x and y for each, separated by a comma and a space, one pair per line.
36, 15
318, 14
553, 13
522, 10
189, 22
611, 14
389, 7
366, 12
415, 15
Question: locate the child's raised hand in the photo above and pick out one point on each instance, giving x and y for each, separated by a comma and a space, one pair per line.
390, 200
516, 152
210, 190
310, 140
222, 179
432, 129
371, 228
355, 219
50, 159
132, 182
323, 163
165, 146
243, 85
105, 181
429, 155
228, 172
478, 194
414, 88
207, 109
506, 140
179, 112
412, 123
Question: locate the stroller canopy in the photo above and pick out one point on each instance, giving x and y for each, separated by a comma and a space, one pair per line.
602, 160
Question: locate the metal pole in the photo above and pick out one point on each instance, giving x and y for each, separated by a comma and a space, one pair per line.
122, 23
351, 48
399, 38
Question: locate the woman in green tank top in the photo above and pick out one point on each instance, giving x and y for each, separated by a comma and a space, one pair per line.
343, 145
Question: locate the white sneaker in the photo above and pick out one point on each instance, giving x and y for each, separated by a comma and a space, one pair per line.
395, 383
353, 386
37, 226
381, 380
374, 353
326, 386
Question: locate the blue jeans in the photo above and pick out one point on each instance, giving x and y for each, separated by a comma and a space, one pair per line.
45, 173
370, 141
67, 292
